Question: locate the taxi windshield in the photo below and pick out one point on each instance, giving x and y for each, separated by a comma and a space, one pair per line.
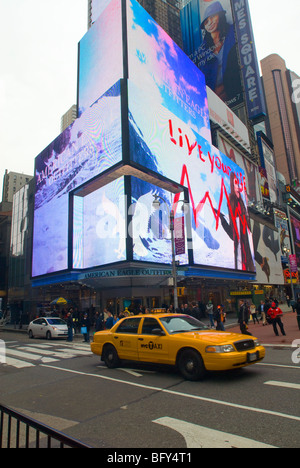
181, 324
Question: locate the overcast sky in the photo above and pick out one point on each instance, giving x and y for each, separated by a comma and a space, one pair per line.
39, 66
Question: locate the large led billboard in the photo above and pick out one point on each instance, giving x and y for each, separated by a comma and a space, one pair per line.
100, 60
218, 197
99, 230
91, 145
157, 64
131, 142
150, 227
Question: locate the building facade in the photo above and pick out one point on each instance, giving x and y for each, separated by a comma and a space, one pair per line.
12, 182
283, 118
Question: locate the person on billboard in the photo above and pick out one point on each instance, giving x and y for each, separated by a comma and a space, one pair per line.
218, 55
238, 228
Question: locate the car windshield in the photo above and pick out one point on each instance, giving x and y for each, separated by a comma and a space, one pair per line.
56, 321
182, 323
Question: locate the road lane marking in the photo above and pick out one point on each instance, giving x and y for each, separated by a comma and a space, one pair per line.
202, 437
283, 384
179, 394
278, 365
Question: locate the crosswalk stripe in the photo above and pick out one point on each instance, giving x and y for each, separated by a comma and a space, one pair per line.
17, 363
22, 354
283, 384
46, 353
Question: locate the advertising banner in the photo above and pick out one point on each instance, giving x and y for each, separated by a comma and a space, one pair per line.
281, 222
295, 225
250, 70
179, 235
267, 254
293, 263
217, 55
268, 163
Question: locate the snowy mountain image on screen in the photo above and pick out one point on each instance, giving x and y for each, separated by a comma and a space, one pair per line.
88, 147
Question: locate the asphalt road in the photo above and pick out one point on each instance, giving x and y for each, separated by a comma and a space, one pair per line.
141, 406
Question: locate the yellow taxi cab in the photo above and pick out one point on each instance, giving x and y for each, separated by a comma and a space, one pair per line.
176, 339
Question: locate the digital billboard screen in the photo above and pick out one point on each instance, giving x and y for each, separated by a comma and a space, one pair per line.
158, 65
92, 144
150, 226
163, 143
100, 56
99, 230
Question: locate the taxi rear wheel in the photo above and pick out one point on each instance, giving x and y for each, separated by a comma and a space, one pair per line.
191, 365
111, 358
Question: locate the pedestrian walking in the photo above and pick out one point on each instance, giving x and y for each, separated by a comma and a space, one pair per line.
220, 318
85, 328
210, 312
243, 317
70, 326
253, 312
262, 313
110, 321
99, 322
195, 312
297, 310
275, 314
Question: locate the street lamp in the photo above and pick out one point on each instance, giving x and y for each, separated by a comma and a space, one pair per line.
156, 205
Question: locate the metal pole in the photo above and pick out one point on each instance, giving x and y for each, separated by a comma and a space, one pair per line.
173, 260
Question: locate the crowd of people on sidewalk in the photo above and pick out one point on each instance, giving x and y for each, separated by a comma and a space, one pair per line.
267, 313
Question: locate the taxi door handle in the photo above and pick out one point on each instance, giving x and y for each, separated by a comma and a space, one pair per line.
116, 337
141, 339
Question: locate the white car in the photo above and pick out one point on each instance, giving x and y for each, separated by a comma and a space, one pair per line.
48, 327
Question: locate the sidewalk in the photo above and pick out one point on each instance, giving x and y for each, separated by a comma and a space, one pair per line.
266, 334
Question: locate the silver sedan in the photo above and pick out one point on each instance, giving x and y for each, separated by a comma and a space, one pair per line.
48, 327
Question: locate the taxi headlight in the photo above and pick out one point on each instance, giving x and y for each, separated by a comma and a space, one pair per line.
256, 343
220, 349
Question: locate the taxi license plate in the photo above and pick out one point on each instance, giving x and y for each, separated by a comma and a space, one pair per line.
253, 357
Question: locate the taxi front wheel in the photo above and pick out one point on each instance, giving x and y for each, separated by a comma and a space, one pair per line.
191, 365
111, 358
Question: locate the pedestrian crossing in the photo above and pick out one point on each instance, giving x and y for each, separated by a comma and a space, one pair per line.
23, 356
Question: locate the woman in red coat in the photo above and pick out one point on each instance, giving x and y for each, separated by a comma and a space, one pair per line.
275, 314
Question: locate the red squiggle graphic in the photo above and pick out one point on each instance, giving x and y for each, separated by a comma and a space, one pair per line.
217, 213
